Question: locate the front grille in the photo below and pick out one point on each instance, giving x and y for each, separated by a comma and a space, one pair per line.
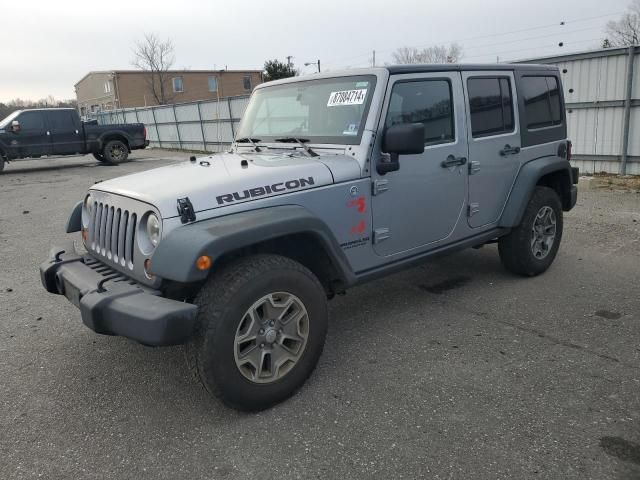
112, 234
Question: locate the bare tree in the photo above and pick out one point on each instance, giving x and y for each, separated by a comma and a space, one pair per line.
155, 57
435, 54
626, 31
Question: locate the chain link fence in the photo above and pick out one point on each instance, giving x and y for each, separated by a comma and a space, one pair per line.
207, 126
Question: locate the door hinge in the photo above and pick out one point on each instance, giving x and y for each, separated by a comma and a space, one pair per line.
185, 210
474, 167
381, 234
473, 209
379, 186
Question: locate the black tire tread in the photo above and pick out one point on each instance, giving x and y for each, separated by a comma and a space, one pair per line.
216, 294
106, 154
514, 248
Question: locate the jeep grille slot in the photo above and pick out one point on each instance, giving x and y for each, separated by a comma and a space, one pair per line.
112, 234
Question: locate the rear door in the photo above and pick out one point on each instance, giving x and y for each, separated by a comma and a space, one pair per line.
494, 143
421, 203
33, 139
66, 132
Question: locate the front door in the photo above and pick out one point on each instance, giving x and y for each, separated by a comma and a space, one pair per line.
494, 143
66, 134
421, 203
33, 139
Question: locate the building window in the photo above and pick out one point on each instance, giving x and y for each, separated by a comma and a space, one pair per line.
213, 84
246, 82
428, 102
491, 106
177, 84
542, 102
107, 87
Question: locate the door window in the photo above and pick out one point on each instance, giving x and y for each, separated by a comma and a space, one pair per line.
61, 121
542, 102
31, 121
428, 102
491, 106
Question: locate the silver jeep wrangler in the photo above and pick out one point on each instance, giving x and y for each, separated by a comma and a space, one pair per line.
332, 180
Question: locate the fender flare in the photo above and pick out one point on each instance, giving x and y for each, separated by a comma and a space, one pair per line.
525, 184
74, 222
175, 256
113, 133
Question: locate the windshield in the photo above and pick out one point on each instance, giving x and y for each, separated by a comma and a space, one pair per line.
7, 120
331, 110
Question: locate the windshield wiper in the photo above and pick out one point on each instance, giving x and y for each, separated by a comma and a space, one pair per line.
252, 141
300, 141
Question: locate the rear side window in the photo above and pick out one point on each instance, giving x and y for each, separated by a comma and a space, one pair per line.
428, 102
491, 106
542, 102
31, 121
62, 120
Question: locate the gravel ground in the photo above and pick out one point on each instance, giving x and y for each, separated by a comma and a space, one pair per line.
454, 369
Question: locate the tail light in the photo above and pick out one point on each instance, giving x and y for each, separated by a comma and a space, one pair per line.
145, 132
569, 148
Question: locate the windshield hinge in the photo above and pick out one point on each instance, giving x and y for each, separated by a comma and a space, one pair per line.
185, 210
381, 234
379, 186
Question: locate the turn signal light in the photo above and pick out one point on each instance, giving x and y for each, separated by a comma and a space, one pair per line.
147, 267
85, 234
203, 262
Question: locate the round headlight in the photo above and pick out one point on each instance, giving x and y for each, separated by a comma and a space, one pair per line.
88, 204
153, 229
87, 209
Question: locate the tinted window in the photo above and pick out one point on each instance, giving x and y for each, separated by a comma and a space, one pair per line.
428, 102
61, 120
31, 121
542, 101
491, 106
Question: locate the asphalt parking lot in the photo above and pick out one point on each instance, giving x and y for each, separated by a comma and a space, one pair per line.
455, 369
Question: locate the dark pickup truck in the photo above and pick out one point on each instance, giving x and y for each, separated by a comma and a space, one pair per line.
59, 131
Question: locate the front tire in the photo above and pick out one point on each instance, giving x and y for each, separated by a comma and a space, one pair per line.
530, 248
115, 152
99, 157
261, 327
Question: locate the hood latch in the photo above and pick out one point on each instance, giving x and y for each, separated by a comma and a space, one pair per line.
185, 210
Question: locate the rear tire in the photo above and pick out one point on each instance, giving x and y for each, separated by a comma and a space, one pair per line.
99, 157
530, 248
115, 152
260, 331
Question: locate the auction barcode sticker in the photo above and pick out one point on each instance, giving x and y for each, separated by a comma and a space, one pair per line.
347, 97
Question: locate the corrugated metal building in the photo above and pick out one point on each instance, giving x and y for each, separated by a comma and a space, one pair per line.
599, 86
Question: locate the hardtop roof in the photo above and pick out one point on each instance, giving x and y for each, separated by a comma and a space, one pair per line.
459, 67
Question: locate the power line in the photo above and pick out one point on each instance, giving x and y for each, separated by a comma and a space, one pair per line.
491, 35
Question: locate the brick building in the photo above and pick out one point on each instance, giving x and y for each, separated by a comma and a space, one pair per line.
108, 90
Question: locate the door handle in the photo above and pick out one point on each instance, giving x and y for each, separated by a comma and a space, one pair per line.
509, 150
453, 161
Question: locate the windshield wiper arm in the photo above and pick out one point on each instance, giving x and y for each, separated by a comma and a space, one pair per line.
252, 141
300, 141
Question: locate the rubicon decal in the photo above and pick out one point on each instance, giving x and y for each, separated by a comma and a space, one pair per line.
279, 187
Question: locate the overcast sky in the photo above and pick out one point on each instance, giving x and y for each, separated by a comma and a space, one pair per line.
47, 46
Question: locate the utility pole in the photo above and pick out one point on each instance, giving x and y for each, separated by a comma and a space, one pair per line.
373, 61
289, 57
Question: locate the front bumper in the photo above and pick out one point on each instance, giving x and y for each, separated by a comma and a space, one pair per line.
113, 304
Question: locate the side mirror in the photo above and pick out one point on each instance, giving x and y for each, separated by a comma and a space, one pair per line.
401, 139
15, 126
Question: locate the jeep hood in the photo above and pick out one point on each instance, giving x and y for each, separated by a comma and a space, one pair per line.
229, 178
